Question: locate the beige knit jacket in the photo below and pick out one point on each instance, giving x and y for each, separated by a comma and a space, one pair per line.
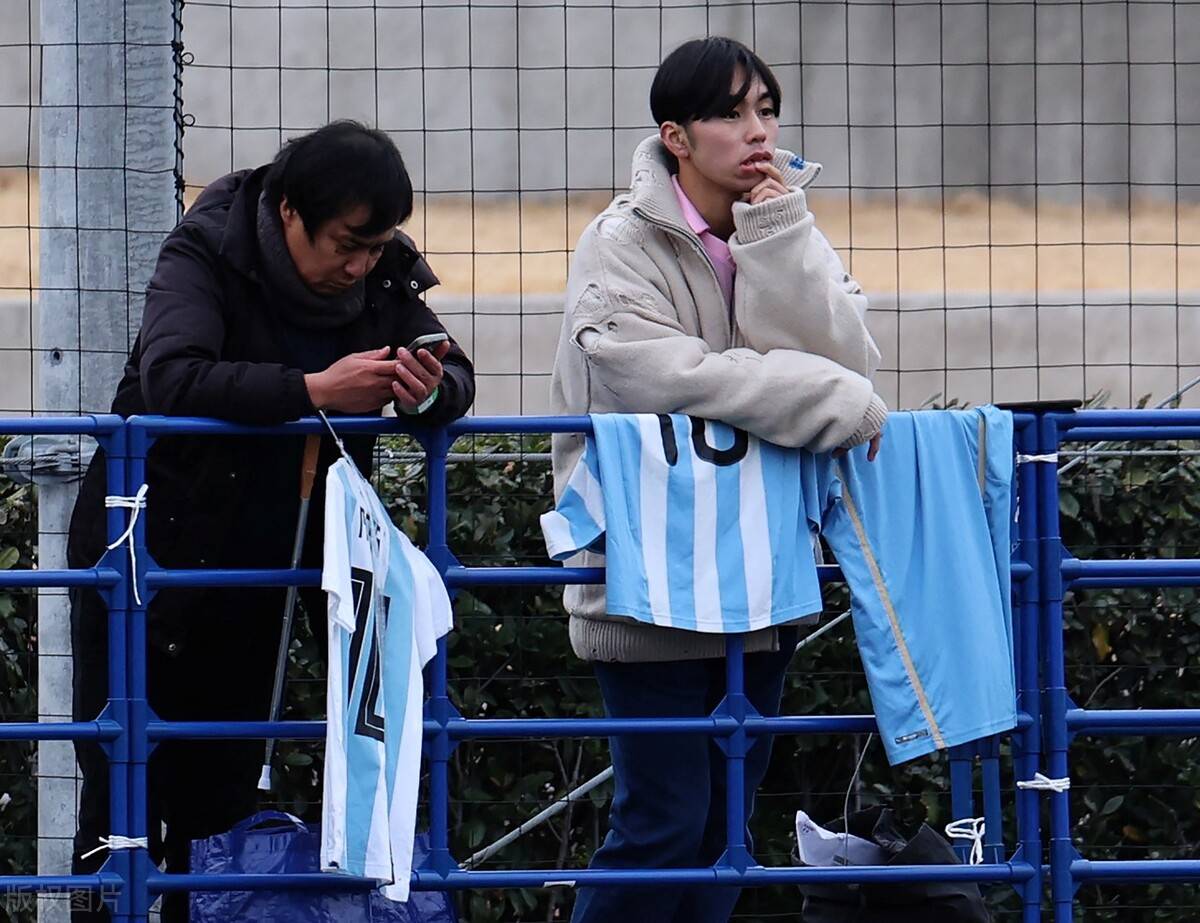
646, 329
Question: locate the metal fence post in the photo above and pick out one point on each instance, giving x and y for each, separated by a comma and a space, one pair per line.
107, 197
1054, 670
439, 709
1026, 641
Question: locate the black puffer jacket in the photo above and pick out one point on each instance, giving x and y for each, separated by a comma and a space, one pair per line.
214, 343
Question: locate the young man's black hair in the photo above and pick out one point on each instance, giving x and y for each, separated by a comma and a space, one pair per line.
693, 82
312, 173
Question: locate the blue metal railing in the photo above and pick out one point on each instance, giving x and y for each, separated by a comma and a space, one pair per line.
1042, 571
1063, 719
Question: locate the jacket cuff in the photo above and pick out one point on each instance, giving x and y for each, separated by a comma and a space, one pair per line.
297, 399
872, 423
758, 222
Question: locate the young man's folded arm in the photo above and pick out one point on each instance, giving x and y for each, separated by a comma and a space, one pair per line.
791, 292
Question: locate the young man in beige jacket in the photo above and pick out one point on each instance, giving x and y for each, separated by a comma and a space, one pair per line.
706, 290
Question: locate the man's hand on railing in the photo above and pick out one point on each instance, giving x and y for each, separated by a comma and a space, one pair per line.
358, 383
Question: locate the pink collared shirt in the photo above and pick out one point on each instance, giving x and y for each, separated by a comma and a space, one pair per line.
717, 249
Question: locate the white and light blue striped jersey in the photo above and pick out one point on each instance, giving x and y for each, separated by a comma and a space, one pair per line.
387, 609
705, 527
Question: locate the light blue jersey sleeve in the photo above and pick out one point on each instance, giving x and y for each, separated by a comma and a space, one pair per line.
577, 522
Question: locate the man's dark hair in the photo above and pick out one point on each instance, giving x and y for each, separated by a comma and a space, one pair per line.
339, 167
693, 82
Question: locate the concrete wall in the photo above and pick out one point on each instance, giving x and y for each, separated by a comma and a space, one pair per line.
508, 97
960, 93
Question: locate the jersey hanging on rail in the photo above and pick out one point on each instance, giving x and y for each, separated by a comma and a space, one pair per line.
387, 609
705, 527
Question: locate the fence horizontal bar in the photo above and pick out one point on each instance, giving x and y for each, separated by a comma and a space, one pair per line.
836, 724
506, 728
1132, 433
198, 426
59, 730
517, 425
1141, 721
758, 875
88, 425
235, 730
1115, 573
162, 426
458, 729
163, 579
95, 577
159, 882
46, 884
1136, 870
455, 576
522, 576
1107, 419
1130, 583
814, 724
542, 576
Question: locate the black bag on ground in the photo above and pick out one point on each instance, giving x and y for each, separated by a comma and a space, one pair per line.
895, 902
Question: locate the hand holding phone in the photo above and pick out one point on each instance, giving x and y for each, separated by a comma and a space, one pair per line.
419, 372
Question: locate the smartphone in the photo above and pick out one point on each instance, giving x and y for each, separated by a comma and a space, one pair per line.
425, 340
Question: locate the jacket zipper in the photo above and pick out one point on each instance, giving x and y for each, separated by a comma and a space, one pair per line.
695, 244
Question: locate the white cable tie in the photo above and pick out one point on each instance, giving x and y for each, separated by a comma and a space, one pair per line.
969, 828
117, 841
1041, 783
5, 800
1050, 458
564, 883
136, 503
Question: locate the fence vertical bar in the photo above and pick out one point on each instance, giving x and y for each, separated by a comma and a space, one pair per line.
736, 745
1026, 640
439, 709
139, 744
119, 752
1054, 669
962, 798
993, 812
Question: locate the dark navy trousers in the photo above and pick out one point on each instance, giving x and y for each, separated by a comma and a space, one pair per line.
668, 807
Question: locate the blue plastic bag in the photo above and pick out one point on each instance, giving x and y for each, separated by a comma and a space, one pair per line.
290, 845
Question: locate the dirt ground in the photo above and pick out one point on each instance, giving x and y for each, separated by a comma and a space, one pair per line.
903, 243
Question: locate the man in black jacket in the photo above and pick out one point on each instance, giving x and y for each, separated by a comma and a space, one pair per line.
284, 290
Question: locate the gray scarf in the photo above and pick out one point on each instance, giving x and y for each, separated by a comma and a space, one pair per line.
303, 307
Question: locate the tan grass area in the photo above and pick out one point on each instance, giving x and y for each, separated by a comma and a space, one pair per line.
18, 240
906, 243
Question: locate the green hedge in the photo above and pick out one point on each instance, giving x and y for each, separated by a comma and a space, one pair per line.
18, 681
